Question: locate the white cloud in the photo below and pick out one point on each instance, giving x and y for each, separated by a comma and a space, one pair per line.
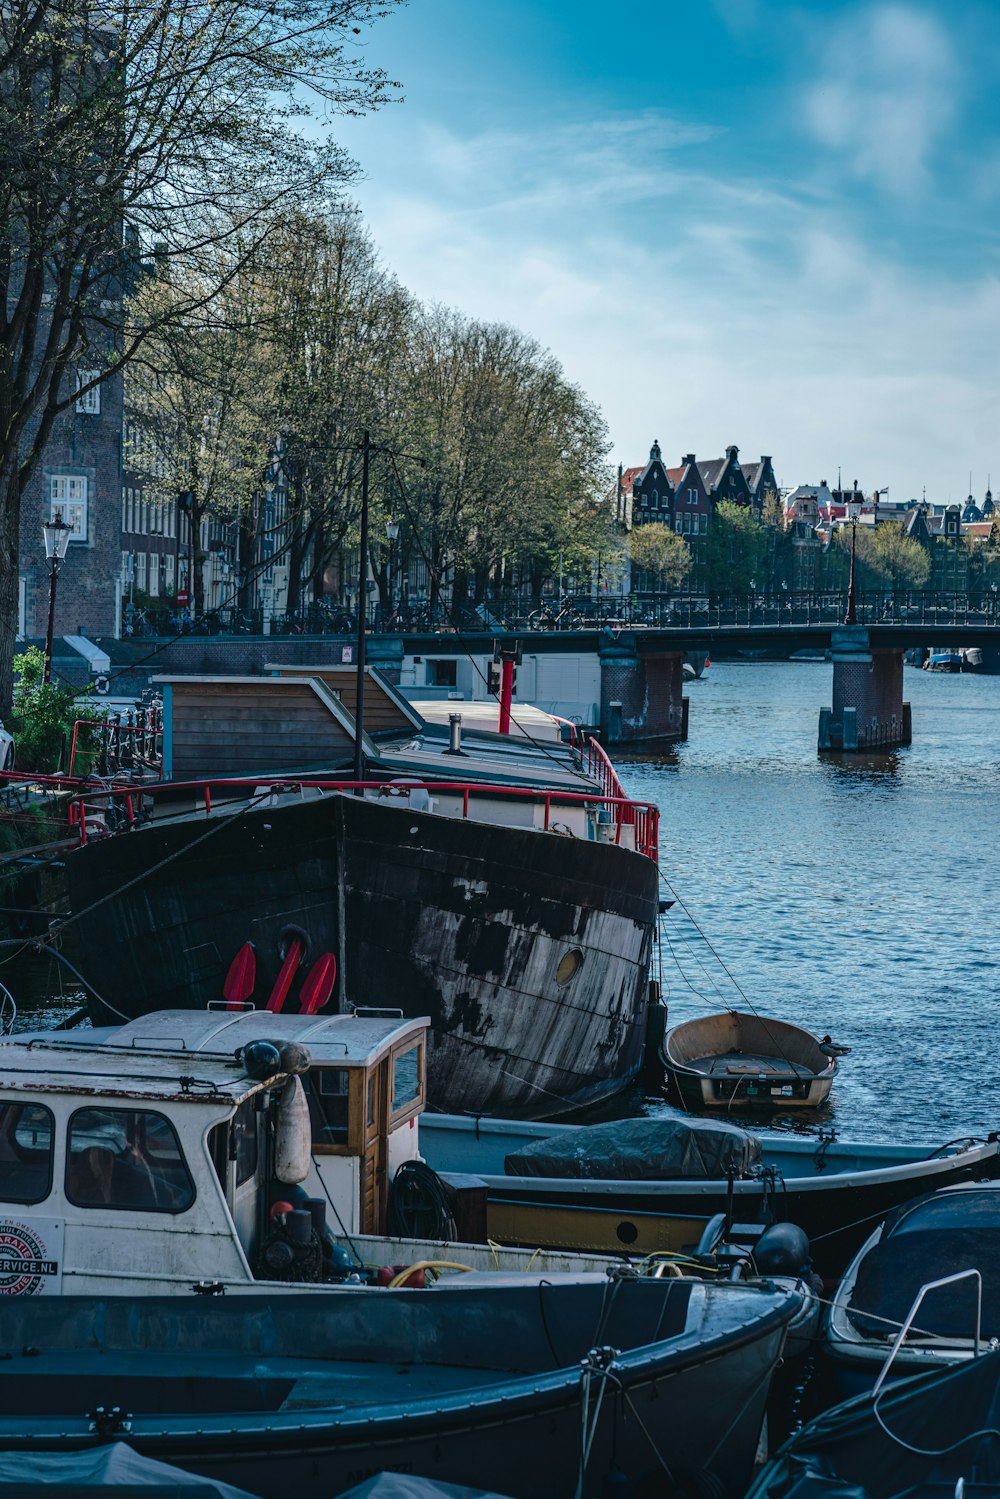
698, 310
884, 93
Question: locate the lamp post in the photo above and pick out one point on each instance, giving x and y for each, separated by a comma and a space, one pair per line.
392, 531
56, 534
853, 511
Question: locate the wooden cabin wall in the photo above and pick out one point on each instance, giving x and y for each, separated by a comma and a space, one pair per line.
381, 712
245, 728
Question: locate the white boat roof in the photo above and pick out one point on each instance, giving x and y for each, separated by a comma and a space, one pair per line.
57, 1063
346, 1040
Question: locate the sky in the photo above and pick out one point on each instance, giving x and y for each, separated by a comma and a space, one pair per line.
733, 221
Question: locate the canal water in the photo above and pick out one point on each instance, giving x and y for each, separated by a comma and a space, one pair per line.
857, 896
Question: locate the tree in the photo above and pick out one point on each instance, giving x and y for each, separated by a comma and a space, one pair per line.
163, 129
736, 554
656, 549
892, 557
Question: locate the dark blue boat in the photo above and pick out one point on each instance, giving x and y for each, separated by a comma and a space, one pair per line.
523, 1388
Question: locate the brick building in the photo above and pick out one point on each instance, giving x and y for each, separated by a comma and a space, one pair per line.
80, 477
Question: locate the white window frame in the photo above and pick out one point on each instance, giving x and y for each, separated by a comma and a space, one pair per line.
90, 402
140, 571
168, 572
153, 587
692, 497
69, 497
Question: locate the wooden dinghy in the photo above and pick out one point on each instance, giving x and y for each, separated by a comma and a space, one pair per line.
735, 1058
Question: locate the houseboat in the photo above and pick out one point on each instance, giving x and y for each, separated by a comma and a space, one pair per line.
506, 889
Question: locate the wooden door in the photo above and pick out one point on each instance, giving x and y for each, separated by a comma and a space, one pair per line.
374, 1160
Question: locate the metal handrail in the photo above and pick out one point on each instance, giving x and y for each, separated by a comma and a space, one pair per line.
644, 816
934, 1285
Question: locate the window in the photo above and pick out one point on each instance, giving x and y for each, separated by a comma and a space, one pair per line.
90, 402
140, 571
243, 1141
126, 1159
695, 524
154, 575
68, 495
679, 524
326, 1095
25, 1152
692, 497
168, 572
405, 1078
687, 521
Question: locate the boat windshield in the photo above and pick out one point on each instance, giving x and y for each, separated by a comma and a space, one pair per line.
26, 1135
126, 1158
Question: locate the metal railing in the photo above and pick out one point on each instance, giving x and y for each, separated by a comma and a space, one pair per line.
130, 804
580, 612
128, 742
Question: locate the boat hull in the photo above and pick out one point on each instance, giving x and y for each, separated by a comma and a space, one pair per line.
749, 1059
835, 1192
281, 1401
463, 921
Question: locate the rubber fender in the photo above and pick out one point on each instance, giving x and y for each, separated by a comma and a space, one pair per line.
292, 1135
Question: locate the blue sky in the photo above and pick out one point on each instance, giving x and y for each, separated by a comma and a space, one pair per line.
732, 220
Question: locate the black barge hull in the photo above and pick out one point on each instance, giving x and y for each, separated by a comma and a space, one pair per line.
529, 951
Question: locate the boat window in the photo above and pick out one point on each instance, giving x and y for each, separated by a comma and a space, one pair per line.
25, 1152
326, 1094
405, 1078
569, 965
243, 1140
950, 1210
128, 1159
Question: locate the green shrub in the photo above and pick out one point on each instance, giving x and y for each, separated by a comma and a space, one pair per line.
43, 717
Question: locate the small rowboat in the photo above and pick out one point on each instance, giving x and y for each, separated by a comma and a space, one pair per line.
718, 1060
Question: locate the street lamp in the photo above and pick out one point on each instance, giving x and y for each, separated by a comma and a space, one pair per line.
853, 511
392, 531
56, 534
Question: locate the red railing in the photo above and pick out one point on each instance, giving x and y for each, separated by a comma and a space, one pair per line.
122, 743
91, 801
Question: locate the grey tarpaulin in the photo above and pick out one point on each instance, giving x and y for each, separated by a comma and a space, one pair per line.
640, 1150
116, 1465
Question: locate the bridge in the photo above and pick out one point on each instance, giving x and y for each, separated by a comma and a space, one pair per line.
641, 655
624, 660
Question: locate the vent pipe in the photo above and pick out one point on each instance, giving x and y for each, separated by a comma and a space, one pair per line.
454, 735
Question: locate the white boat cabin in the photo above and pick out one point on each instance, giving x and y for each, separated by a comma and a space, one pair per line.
146, 1159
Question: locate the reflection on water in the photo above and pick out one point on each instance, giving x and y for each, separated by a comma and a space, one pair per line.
855, 895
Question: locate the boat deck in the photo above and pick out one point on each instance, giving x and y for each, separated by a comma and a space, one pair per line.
748, 1064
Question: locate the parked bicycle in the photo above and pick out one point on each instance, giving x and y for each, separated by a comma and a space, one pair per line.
546, 618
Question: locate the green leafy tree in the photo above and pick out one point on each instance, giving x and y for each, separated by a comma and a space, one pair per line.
137, 131
887, 556
657, 550
736, 556
43, 715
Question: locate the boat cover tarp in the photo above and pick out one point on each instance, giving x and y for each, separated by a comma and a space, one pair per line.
927, 1433
891, 1274
410, 1486
640, 1150
116, 1465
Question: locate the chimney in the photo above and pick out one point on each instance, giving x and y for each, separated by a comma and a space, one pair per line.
688, 458
454, 735
732, 451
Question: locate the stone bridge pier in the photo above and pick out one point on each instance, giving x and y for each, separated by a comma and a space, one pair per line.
642, 695
868, 711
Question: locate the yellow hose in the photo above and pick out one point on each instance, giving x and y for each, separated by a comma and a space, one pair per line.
402, 1275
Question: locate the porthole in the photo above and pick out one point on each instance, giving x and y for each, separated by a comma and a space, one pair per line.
569, 964
627, 1233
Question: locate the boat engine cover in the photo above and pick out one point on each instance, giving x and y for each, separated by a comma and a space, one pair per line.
782, 1249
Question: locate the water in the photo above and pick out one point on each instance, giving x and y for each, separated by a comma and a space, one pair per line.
856, 896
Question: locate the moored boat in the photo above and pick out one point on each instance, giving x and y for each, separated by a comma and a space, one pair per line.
510, 894
937, 1261
530, 1389
833, 1189
715, 1061
933, 1436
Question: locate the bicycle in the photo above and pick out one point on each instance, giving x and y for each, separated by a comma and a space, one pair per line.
545, 618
